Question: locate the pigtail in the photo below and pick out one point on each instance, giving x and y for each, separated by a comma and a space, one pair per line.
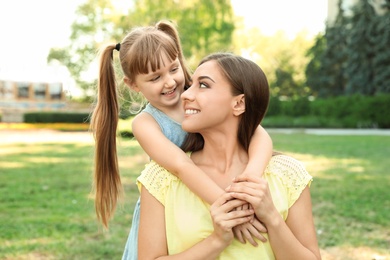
104, 121
171, 30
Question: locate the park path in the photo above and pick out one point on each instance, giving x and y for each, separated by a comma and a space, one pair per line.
53, 136
44, 136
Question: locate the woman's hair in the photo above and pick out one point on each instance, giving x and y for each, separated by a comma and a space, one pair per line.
245, 77
141, 48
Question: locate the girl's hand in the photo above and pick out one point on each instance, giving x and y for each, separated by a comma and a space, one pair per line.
225, 218
249, 231
255, 191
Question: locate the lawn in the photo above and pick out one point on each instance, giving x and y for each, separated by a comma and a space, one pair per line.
46, 211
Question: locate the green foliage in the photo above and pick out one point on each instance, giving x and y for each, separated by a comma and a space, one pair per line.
381, 60
358, 66
280, 57
204, 25
56, 117
355, 111
353, 56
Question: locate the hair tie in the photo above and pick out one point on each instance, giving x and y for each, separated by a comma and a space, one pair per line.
118, 46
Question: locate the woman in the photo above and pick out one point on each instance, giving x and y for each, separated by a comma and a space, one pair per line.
227, 100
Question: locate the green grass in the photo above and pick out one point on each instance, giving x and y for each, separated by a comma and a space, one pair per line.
45, 207
351, 188
46, 211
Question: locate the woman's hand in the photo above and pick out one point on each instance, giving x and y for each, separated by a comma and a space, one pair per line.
225, 218
255, 191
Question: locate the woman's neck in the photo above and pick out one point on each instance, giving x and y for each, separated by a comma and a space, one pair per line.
222, 158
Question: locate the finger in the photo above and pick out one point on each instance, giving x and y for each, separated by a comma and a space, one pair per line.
229, 224
247, 178
240, 213
245, 197
255, 233
247, 187
259, 226
247, 235
238, 234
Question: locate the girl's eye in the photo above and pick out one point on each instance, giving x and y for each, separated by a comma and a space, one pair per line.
155, 78
174, 69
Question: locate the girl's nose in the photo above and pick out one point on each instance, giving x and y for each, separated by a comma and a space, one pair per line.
170, 82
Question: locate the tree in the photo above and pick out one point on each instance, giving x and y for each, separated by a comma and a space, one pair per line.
353, 56
358, 67
282, 59
315, 78
334, 57
381, 60
204, 25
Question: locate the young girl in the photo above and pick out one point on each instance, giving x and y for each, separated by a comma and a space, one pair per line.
153, 64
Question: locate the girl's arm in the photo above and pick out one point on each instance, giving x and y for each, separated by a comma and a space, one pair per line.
260, 152
159, 148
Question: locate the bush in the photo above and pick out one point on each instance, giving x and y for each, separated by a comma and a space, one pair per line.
56, 117
355, 111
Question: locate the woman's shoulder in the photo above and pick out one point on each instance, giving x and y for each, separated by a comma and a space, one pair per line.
286, 162
291, 173
156, 179
290, 170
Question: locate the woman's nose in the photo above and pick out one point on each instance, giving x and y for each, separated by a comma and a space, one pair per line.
188, 94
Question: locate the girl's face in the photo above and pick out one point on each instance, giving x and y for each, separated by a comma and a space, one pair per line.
208, 102
163, 87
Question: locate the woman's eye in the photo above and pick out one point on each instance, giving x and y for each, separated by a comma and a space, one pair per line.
203, 85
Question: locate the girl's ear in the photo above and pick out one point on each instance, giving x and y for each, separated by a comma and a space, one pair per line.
131, 84
239, 105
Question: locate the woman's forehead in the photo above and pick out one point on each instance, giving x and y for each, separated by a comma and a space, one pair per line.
209, 68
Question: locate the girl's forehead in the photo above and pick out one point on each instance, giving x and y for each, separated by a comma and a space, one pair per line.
160, 63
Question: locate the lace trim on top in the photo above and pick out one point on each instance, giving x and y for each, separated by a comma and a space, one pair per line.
288, 170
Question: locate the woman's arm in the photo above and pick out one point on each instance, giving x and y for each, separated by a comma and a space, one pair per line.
149, 135
152, 242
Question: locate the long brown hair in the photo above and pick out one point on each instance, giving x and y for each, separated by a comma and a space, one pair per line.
245, 77
142, 47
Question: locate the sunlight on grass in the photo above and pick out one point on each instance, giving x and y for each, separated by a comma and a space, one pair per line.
10, 165
47, 209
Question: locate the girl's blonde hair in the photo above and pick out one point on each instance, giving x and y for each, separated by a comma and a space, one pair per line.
141, 48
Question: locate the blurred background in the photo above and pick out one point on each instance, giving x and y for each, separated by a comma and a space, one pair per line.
328, 66
317, 55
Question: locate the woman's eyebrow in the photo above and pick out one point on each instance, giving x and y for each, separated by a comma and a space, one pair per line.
206, 77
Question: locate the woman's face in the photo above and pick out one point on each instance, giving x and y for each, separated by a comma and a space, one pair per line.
208, 102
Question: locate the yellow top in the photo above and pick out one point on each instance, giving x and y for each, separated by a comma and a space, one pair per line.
187, 217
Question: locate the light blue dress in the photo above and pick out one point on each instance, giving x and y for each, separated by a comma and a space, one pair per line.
173, 131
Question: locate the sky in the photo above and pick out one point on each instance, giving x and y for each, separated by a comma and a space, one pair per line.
29, 29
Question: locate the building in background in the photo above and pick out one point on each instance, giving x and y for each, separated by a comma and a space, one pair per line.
18, 97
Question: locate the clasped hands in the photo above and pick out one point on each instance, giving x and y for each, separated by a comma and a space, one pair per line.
243, 210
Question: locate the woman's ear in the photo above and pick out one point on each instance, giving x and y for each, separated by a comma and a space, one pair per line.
239, 105
131, 84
